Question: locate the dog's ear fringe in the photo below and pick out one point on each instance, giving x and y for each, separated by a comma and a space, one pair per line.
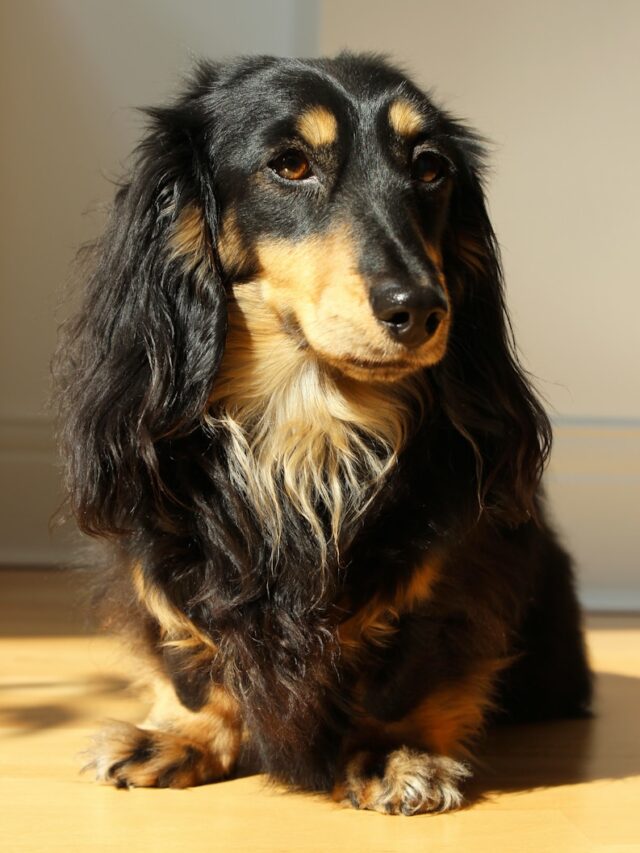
485, 392
136, 363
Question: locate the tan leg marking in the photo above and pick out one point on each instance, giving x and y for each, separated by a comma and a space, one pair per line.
174, 747
176, 629
447, 719
376, 622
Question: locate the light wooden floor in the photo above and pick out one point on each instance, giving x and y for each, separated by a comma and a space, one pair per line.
569, 786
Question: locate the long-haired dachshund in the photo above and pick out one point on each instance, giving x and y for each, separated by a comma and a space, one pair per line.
291, 403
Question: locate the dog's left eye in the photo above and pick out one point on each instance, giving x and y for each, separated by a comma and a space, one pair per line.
292, 165
429, 167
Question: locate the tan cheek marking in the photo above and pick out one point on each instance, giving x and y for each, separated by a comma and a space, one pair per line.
300, 272
258, 353
318, 126
188, 238
404, 118
436, 347
232, 251
317, 280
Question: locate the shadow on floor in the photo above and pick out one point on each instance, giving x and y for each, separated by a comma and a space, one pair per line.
512, 758
32, 717
522, 757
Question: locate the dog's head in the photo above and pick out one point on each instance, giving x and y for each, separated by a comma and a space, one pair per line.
333, 182
326, 201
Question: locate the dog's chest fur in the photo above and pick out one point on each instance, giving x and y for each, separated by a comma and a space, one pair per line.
301, 434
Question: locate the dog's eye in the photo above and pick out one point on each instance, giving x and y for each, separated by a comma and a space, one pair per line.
429, 167
292, 165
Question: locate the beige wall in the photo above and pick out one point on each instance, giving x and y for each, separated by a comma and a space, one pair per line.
555, 84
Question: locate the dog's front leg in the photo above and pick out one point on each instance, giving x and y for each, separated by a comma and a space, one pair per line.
412, 765
174, 747
401, 781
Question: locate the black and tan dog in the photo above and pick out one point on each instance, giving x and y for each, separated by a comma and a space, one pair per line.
291, 403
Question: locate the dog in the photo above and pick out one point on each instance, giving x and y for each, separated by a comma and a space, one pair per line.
292, 408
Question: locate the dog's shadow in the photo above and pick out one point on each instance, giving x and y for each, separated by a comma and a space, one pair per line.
523, 757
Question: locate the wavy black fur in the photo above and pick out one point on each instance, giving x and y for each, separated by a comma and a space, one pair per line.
145, 469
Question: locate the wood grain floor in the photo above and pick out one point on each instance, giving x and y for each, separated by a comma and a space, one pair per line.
569, 786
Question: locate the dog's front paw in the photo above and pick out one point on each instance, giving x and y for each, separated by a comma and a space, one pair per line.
404, 781
129, 757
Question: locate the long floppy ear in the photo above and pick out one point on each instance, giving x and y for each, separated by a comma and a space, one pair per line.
485, 391
136, 364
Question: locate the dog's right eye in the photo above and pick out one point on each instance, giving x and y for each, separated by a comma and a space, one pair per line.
292, 165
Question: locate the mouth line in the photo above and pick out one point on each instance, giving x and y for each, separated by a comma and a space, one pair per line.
368, 364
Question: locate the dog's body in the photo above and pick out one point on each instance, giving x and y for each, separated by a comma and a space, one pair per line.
291, 401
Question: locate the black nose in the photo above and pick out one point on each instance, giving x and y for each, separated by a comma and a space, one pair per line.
410, 313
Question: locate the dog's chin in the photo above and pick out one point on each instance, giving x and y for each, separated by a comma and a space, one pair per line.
375, 367
372, 370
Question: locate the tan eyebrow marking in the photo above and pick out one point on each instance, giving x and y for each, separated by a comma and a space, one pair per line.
405, 118
318, 126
